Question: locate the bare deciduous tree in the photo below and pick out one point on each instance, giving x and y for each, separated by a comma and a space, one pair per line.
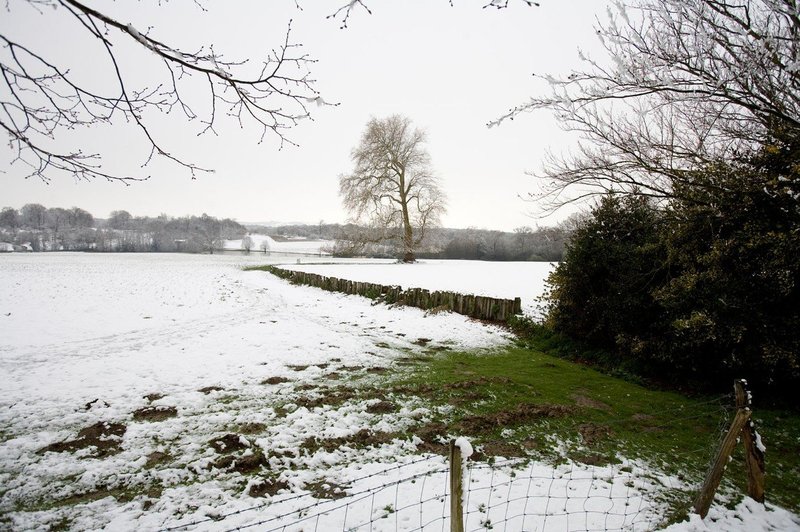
392, 187
689, 83
42, 100
247, 244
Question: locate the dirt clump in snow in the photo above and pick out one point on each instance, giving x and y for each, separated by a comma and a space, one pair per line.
97, 403
208, 389
252, 428
421, 341
361, 439
275, 380
155, 413
104, 436
377, 370
323, 489
592, 433
498, 448
333, 376
229, 443
382, 407
267, 486
589, 458
296, 367
245, 463
154, 396
432, 435
156, 458
522, 414
329, 396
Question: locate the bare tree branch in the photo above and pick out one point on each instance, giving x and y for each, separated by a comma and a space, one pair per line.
41, 101
688, 83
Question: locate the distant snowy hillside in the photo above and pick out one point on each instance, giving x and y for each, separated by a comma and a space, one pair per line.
312, 247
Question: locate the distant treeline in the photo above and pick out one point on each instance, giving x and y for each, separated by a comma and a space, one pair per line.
523, 244
37, 228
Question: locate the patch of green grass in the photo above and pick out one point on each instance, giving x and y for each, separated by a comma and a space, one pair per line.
525, 398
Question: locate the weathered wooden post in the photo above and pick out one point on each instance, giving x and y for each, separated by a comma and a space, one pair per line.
456, 489
740, 426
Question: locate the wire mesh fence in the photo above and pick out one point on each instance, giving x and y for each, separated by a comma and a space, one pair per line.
506, 495
415, 494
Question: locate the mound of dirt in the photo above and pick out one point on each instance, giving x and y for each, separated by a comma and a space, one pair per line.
275, 380
208, 389
267, 487
229, 443
382, 407
155, 413
522, 414
361, 439
104, 436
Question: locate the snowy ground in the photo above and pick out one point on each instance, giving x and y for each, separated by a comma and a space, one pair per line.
148, 391
259, 242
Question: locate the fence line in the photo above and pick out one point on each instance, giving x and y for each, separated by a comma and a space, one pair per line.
480, 307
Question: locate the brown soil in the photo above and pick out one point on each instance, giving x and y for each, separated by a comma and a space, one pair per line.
332, 397
377, 370
154, 396
305, 387
241, 464
228, 444
155, 413
431, 435
522, 414
474, 383
156, 458
592, 459
588, 402
252, 428
326, 490
275, 380
267, 487
333, 376
361, 439
421, 341
382, 407
498, 448
591, 433
208, 389
94, 402
105, 437
296, 367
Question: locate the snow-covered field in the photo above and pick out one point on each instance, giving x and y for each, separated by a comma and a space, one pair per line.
506, 280
148, 391
259, 242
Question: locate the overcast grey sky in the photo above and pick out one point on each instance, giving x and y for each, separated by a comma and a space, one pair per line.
450, 69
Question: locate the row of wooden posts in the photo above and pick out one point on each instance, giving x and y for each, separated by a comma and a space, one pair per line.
480, 307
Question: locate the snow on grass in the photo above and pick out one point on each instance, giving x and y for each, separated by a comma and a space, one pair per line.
506, 280
154, 391
86, 337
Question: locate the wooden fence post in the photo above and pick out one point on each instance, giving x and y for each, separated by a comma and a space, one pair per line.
456, 489
753, 450
741, 426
